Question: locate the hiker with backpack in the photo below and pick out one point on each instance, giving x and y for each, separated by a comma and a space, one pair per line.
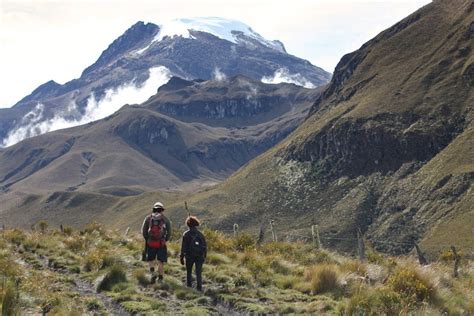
156, 230
193, 251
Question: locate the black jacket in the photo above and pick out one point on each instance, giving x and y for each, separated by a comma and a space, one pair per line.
146, 226
187, 240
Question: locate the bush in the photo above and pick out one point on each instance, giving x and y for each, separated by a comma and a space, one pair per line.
142, 278
412, 284
217, 258
255, 264
382, 301
93, 227
15, 236
43, 226
355, 266
241, 280
281, 266
75, 243
68, 230
323, 278
9, 302
447, 256
115, 276
93, 261
216, 241
286, 281
244, 242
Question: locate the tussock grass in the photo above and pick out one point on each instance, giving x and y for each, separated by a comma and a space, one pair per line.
114, 276
273, 278
323, 278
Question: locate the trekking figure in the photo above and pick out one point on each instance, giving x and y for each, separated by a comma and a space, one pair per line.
156, 230
193, 251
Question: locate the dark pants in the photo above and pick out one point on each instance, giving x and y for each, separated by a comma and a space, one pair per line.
198, 262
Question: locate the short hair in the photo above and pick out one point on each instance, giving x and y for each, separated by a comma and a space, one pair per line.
192, 221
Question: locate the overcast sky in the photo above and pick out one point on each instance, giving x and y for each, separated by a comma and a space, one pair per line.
42, 40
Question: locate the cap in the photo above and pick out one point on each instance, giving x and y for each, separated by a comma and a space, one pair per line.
158, 206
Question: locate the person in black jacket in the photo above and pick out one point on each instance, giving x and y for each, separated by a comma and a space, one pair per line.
156, 231
193, 251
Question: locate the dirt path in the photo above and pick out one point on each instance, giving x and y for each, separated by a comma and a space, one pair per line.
82, 287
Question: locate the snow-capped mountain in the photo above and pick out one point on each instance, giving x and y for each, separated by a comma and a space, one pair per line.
145, 57
229, 30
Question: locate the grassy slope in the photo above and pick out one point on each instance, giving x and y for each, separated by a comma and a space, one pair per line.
239, 278
419, 68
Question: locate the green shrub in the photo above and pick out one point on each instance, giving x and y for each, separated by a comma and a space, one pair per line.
323, 278
217, 258
447, 256
281, 266
115, 276
286, 281
42, 226
255, 264
142, 278
244, 242
93, 260
374, 257
15, 236
94, 305
9, 301
68, 230
109, 261
412, 284
136, 307
381, 301
470, 307
355, 266
216, 241
75, 243
93, 227
241, 280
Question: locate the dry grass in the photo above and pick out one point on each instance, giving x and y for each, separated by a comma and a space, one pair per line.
323, 278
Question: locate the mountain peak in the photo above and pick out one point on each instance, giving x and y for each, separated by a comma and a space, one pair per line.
227, 29
136, 35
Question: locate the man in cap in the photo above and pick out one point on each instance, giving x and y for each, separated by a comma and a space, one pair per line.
156, 230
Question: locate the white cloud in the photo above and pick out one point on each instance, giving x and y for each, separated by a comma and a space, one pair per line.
283, 75
218, 75
34, 124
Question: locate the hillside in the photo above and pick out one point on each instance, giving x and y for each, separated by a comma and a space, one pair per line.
387, 148
96, 271
191, 134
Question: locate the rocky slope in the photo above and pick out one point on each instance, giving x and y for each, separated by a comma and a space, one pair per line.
145, 57
190, 134
387, 148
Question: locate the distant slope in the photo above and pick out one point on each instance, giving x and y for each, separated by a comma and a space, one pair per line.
387, 149
189, 135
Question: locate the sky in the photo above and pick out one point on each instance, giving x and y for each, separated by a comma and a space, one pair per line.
42, 40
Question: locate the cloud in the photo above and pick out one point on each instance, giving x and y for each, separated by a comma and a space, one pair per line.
283, 75
218, 74
34, 123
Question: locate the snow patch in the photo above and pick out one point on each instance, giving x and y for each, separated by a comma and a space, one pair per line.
34, 123
225, 29
283, 75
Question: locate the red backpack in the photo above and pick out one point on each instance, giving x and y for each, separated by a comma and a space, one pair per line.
156, 231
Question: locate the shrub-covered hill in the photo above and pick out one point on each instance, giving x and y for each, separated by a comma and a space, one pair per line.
97, 272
